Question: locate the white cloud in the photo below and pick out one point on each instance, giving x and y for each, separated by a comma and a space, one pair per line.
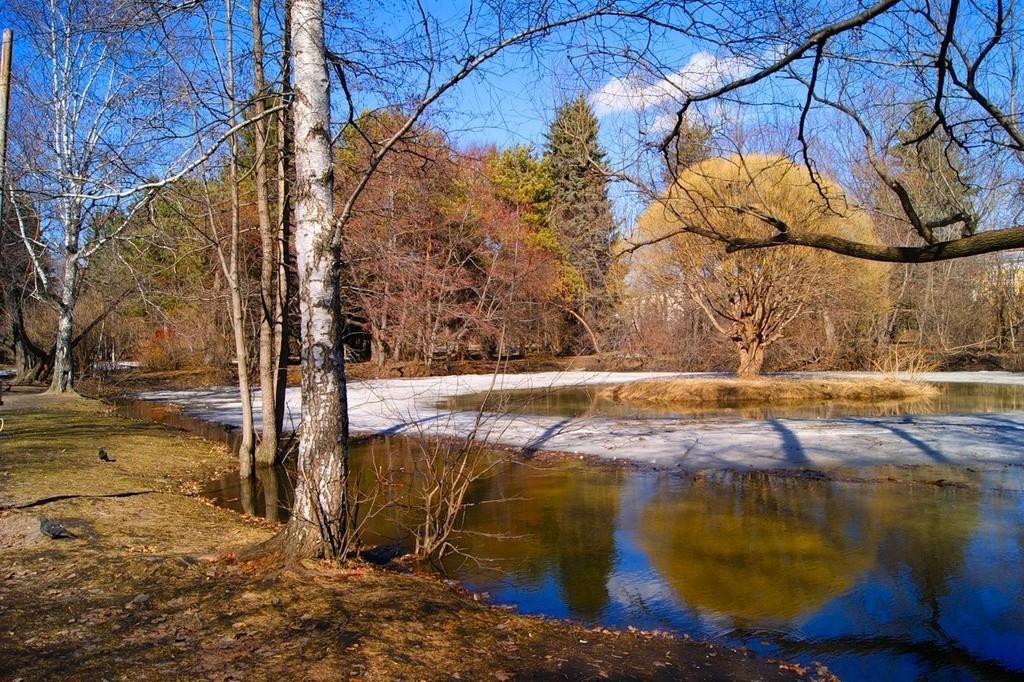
701, 73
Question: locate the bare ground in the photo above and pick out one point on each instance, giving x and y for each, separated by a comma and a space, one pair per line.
151, 588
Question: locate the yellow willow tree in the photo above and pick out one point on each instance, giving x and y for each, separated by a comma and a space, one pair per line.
752, 296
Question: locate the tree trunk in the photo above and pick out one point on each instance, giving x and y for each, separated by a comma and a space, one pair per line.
26, 354
282, 332
61, 381
248, 440
268, 478
266, 454
751, 354
247, 444
319, 525
63, 359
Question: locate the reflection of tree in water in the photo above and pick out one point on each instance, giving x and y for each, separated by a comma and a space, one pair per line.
753, 546
269, 494
927, 531
927, 615
561, 522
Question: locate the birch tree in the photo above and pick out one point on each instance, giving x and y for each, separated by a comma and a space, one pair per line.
322, 519
319, 523
101, 97
90, 123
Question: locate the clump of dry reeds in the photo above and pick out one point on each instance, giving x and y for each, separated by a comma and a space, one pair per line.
767, 390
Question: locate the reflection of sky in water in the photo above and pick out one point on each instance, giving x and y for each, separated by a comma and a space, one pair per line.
927, 581
886, 581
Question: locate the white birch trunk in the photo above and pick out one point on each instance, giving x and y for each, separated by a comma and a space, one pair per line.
62, 380
318, 525
63, 365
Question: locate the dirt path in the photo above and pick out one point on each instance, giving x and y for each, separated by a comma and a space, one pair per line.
149, 588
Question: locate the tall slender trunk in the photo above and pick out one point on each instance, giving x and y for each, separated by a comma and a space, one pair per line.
282, 330
247, 443
266, 454
319, 525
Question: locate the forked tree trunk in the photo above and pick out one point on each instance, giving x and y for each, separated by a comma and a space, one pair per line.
318, 526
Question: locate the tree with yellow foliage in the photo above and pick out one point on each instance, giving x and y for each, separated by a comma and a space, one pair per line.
751, 296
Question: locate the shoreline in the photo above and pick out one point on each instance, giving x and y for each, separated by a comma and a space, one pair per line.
134, 591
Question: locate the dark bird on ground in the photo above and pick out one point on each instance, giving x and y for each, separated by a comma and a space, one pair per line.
104, 457
54, 529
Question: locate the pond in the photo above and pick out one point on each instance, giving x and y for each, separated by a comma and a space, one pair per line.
587, 401
878, 581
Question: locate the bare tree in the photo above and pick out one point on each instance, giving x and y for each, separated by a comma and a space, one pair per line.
103, 100
273, 342
848, 67
230, 262
87, 88
751, 297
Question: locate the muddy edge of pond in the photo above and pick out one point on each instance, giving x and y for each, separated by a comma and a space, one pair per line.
136, 584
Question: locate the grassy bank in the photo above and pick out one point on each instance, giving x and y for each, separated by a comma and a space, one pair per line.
150, 588
767, 390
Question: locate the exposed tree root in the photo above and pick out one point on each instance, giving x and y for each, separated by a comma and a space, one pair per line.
57, 498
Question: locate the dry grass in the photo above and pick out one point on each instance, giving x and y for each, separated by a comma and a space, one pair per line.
767, 390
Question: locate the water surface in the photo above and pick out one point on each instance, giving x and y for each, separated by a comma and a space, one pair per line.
587, 401
880, 581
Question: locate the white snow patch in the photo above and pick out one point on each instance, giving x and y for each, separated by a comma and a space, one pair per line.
408, 407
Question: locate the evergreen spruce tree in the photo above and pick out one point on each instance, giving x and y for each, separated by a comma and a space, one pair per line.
579, 211
689, 145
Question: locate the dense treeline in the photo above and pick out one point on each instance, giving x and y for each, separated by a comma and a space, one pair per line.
479, 252
451, 250
452, 253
